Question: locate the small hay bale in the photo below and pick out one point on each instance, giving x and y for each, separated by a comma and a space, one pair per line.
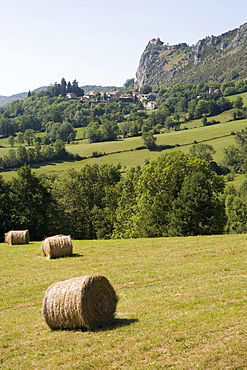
17, 237
86, 302
57, 246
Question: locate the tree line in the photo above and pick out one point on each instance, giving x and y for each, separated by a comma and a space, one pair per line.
36, 155
174, 195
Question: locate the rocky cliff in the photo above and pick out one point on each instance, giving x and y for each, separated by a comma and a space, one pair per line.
215, 58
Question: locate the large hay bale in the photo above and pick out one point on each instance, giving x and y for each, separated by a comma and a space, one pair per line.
57, 246
85, 302
17, 237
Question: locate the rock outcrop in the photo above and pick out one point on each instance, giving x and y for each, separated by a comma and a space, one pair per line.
215, 58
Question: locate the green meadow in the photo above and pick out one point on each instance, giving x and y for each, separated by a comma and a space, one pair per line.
182, 305
243, 96
124, 151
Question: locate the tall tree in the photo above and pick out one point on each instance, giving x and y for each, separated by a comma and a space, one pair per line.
5, 206
196, 210
31, 203
63, 88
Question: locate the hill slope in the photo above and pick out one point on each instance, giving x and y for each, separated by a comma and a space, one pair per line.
214, 58
20, 96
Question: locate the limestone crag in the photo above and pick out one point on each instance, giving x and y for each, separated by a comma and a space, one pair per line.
216, 58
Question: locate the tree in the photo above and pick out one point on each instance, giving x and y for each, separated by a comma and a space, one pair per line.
230, 90
11, 141
87, 201
235, 157
156, 189
29, 136
204, 121
129, 84
109, 130
236, 210
20, 138
72, 209
202, 107
76, 89
149, 140
94, 133
146, 89
63, 88
203, 151
125, 212
196, 210
238, 102
31, 203
65, 132
5, 206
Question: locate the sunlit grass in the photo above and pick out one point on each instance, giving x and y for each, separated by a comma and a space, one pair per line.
234, 97
182, 305
123, 151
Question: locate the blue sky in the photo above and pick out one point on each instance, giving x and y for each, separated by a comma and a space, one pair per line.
98, 42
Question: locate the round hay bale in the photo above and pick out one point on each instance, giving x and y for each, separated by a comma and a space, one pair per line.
17, 237
86, 302
57, 246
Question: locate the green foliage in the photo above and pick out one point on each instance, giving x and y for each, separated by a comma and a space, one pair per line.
153, 194
149, 140
203, 151
196, 210
36, 155
235, 157
30, 203
129, 84
5, 206
86, 201
238, 102
146, 89
236, 210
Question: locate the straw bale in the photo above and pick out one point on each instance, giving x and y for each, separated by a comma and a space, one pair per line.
57, 246
86, 302
17, 237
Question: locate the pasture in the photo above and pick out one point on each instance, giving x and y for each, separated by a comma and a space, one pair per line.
124, 151
182, 305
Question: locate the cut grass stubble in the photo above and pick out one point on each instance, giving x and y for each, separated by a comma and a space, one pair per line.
182, 305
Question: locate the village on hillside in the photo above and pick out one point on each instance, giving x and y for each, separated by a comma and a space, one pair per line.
113, 96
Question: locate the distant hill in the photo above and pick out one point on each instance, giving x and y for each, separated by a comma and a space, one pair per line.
214, 58
21, 96
97, 88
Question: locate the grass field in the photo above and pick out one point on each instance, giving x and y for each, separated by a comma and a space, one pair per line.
243, 95
182, 305
123, 151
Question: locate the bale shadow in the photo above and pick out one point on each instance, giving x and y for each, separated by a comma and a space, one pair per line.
63, 257
117, 323
77, 255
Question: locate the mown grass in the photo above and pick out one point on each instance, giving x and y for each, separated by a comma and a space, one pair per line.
182, 305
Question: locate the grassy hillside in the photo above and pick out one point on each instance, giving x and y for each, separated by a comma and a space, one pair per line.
123, 151
243, 95
182, 305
